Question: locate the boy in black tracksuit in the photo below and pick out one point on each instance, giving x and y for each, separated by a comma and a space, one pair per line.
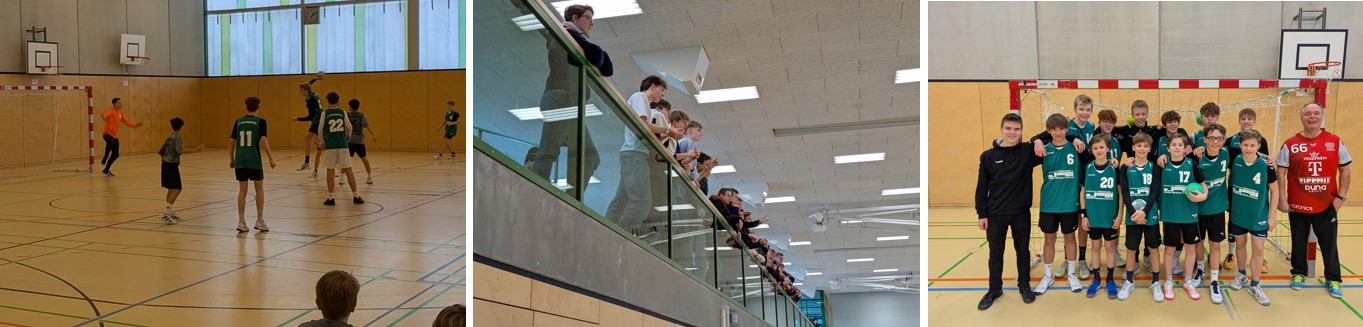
1003, 200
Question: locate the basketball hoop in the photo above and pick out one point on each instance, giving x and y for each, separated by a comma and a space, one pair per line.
137, 60
1327, 69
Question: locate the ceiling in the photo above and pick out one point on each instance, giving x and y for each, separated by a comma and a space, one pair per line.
814, 63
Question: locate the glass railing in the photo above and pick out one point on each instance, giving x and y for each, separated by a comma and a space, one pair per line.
566, 128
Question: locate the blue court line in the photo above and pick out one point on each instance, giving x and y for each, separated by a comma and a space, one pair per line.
982, 289
447, 264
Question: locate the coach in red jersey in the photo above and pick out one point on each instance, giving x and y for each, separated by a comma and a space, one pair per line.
1310, 162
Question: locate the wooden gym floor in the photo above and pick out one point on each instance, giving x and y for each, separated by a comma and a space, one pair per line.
959, 271
74, 247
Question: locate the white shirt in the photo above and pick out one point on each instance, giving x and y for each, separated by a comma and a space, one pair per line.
638, 103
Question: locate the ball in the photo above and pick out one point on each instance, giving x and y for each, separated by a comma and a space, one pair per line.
1199, 120
1130, 120
1139, 204
1193, 188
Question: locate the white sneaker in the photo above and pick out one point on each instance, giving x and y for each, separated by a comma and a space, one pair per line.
1046, 282
314, 174
1168, 290
1258, 294
1178, 264
174, 217
1240, 281
166, 218
436, 156
1192, 291
1036, 260
1075, 285
260, 226
1158, 291
303, 167
1125, 292
369, 180
1216, 292
1083, 267
1121, 262
1197, 277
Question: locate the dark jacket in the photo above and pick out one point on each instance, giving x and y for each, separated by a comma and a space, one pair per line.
563, 66
1004, 186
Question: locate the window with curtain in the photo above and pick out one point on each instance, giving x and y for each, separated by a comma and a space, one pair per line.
254, 43
212, 5
360, 37
441, 34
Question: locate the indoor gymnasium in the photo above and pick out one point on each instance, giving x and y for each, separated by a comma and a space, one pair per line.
1211, 69
142, 185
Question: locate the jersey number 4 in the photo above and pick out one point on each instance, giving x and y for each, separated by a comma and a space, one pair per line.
244, 138
336, 126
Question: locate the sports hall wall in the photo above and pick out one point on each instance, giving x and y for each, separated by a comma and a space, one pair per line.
87, 32
982, 45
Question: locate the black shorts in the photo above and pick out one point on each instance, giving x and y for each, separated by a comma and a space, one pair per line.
1237, 231
1066, 223
1181, 233
358, 149
1107, 234
1213, 226
312, 129
1134, 234
170, 175
250, 174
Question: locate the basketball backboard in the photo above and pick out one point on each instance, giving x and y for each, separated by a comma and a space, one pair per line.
1302, 47
40, 55
133, 47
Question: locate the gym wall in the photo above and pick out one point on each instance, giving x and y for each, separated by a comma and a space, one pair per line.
87, 32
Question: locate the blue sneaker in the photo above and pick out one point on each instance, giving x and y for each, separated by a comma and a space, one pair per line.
1298, 282
1334, 289
1093, 288
1111, 290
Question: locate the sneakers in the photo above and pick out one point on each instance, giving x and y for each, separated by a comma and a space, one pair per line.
1258, 294
436, 156
1178, 266
1075, 285
1334, 289
1158, 291
1197, 278
167, 218
1111, 289
1125, 293
241, 227
1216, 292
1084, 270
107, 173
1027, 295
358, 200
329, 201
260, 226
1121, 262
1240, 281
1046, 282
175, 217
369, 180
303, 167
1093, 288
1192, 291
1229, 264
1168, 290
1036, 260
314, 175
1298, 282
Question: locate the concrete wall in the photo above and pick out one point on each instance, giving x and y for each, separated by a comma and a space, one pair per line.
1120, 40
873, 309
88, 33
579, 251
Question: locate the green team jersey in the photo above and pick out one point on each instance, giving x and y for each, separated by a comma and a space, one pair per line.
1174, 207
1084, 133
314, 104
333, 129
1163, 149
1198, 142
1249, 193
1213, 171
1100, 195
1060, 188
246, 134
451, 117
1114, 151
1137, 182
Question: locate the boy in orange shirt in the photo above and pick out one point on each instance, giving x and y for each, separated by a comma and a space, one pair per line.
112, 118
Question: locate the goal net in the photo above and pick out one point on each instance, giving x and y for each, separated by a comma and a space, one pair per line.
1276, 104
45, 130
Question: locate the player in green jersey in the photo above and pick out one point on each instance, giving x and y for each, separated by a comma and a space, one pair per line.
248, 139
333, 135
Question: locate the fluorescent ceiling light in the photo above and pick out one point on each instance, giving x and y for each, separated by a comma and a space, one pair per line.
899, 191
813, 273
786, 263
553, 115
749, 277
885, 270
798, 284
734, 94
752, 266
527, 22
562, 183
851, 222
861, 260
908, 76
691, 268
800, 243
761, 226
781, 199
675, 207
603, 8
892, 238
859, 158
723, 169
722, 248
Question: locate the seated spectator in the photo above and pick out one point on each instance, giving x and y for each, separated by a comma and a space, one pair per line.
451, 316
337, 293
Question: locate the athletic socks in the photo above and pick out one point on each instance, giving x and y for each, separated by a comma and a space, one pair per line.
1069, 265
1254, 283
307, 158
1216, 275
1242, 272
1082, 251
1202, 265
1109, 274
1154, 276
1048, 270
1130, 274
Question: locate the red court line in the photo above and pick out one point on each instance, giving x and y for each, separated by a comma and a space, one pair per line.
13, 324
1224, 277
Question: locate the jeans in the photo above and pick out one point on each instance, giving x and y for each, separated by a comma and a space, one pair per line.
556, 134
632, 199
